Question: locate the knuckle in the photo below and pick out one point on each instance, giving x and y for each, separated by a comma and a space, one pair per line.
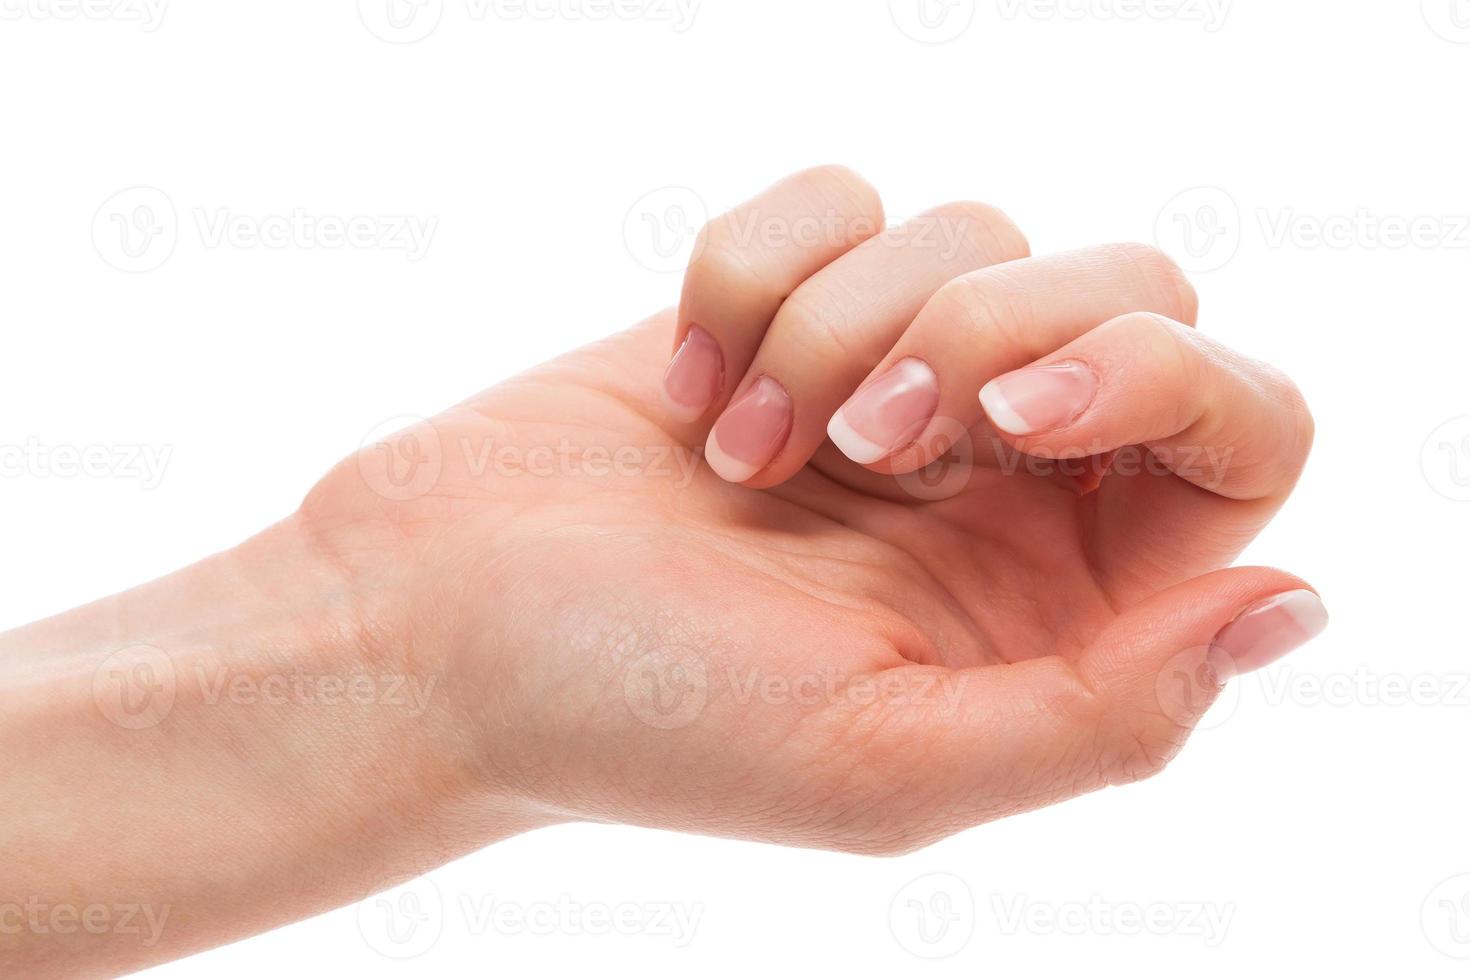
813, 316
1301, 427
986, 233
720, 267
846, 190
1159, 271
989, 305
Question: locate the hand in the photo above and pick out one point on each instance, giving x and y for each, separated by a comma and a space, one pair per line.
996, 603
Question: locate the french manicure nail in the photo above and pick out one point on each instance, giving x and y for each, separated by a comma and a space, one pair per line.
1037, 399
888, 414
751, 431
695, 375
1272, 628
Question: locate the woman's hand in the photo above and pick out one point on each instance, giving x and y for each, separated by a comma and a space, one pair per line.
540, 606
987, 605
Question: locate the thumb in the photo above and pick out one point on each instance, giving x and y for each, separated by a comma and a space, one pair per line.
1161, 664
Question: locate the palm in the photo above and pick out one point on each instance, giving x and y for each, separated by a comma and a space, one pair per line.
968, 567
610, 594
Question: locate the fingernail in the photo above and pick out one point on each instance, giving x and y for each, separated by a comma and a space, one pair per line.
1037, 399
694, 376
751, 431
1271, 629
888, 414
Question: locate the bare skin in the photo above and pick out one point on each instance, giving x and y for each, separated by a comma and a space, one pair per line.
593, 625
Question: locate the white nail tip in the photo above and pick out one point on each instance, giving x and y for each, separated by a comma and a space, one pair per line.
727, 467
682, 413
1305, 609
1005, 418
853, 445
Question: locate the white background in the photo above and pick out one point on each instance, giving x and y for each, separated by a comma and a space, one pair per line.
1326, 804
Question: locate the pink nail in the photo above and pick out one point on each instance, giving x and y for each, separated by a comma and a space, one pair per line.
751, 431
888, 414
1037, 399
695, 375
1271, 629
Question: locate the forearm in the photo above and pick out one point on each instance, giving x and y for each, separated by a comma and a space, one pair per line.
213, 754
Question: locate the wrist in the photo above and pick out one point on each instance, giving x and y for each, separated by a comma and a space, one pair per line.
205, 744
